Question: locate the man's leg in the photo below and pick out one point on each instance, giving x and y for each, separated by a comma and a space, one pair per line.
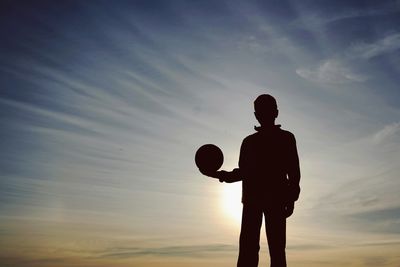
249, 243
275, 226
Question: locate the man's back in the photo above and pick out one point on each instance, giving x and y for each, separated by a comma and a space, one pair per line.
266, 159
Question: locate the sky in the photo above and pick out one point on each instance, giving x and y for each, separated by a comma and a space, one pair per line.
103, 105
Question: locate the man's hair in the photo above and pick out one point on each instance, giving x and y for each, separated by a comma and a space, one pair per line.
265, 102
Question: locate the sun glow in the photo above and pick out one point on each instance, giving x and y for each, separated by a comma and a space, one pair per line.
231, 201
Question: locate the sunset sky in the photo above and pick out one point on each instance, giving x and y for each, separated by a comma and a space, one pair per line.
104, 103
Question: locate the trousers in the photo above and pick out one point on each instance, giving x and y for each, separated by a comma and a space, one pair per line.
275, 228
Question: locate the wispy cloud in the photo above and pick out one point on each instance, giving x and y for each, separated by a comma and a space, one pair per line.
376, 261
331, 72
342, 68
211, 250
381, 220
320, 20
301, 247
382, 46
387, 132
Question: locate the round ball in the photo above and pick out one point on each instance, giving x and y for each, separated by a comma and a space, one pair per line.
209, 158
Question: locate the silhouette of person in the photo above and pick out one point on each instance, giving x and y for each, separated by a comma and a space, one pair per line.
270, 174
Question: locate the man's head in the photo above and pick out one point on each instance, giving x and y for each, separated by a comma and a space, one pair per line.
265, 109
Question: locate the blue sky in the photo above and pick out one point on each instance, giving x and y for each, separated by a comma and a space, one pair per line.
103, 106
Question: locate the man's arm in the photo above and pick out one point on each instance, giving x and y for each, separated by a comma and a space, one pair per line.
293, 170
229, 177
236, 174
225, 176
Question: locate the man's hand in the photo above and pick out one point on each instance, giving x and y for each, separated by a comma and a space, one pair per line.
223, 176
289, 209
294, 191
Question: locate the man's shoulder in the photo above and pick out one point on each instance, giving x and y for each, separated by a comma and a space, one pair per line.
280, 133
287, 133
250, 137
288, 137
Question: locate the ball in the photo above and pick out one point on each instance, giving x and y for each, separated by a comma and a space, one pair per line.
209, 158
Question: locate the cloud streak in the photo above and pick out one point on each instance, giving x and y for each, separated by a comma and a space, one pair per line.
331, 72
342, 67
386, 45
211, 250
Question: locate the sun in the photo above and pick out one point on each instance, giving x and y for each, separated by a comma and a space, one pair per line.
231, 201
